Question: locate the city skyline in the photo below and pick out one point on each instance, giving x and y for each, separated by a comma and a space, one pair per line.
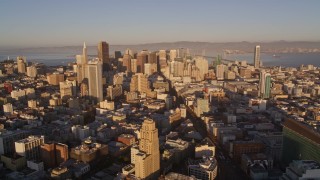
159, 90
70, 23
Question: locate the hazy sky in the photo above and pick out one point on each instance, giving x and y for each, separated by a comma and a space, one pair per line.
34, 23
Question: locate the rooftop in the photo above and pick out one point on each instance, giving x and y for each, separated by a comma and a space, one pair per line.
30, 139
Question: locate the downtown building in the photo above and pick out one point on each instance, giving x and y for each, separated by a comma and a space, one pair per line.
300, 141
8, 138
103, 54
67, 89
82, 60
265, 84
94, 76
205, 168
53, 154
32, 71
21, 62
146, 157
256, 60
30, 147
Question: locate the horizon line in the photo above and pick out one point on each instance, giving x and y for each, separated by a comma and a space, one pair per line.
168, 42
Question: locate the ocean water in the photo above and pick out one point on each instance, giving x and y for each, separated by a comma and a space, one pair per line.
65, 57
283, 59
50, 59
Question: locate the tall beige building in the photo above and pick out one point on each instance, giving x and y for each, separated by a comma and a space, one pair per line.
134, 65
94, 76
173, 54
203, 66
126, 63
220, 71
21, 62
32, 71
147, 159
162, 58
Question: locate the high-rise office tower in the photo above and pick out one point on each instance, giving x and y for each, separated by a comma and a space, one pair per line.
181, 52
264, 84
142, 58
173, 54
176, 68
126, 62
257, 57
162, 59
134, 65
103, 54
117, 55
82, 60
21, 62
163, 54
202, 65
94, 76
84, 54
147, 159
220, 71
152, 58
134, 83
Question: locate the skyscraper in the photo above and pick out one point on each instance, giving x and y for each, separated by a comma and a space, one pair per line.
126, 62
94, 76
162, 58
202, 65
84, 54
21, 62
147, 159
142, 58
152, 58
117, 55
257, 57
103, 54
173, 54
264, 84
82, 60
220, 71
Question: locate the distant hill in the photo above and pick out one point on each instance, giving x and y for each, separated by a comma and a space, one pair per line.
211, 48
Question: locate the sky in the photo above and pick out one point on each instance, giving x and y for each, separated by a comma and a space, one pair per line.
39, 23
